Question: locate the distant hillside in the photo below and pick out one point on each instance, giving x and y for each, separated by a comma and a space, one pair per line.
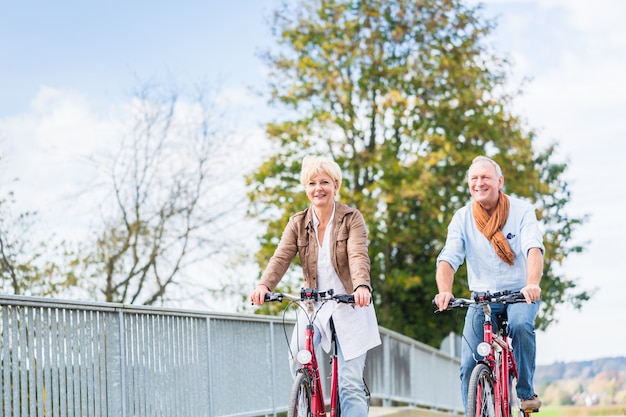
596, 382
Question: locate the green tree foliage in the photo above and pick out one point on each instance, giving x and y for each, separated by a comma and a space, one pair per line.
403, 94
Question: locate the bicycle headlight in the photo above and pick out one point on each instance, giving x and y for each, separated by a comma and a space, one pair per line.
483, 348
303, 357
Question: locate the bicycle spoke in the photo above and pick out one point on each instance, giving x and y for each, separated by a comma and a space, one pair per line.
481, 394
302, 406
515, 402
300, 403
487, 407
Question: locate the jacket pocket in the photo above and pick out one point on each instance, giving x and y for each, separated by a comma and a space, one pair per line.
341, 252
303, 252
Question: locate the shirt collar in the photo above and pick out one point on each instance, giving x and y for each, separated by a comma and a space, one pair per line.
316, 221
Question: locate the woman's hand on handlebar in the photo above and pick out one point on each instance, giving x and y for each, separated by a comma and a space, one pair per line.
362, 297
443, 299
257, 296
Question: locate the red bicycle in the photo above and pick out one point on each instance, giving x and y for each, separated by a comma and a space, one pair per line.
307, 397
491, 391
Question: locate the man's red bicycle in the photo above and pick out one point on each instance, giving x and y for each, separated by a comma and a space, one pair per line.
307, 397
491, 391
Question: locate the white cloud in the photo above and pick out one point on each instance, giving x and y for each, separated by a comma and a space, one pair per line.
599, 21
47, 150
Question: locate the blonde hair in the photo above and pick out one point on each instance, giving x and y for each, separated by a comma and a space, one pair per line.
313, 165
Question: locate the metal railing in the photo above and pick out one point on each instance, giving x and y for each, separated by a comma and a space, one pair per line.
65, 358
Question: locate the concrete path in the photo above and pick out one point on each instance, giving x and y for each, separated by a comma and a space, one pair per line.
405, 412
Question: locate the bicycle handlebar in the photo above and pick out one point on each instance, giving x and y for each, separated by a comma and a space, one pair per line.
503, 297
311, 294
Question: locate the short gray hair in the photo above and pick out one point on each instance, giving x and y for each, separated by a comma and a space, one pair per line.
483, 159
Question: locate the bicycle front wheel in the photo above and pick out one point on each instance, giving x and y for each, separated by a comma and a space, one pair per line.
481, 394
300, 400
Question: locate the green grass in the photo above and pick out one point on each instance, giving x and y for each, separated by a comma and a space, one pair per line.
581, 411
548, 412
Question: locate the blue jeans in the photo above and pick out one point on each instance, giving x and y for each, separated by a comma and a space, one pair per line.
521, 318
352, 398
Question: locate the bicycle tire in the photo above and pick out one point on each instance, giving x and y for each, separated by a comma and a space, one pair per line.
300, 398
480, 393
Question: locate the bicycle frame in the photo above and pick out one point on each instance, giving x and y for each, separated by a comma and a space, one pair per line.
307, 389
318, 405
491, 382
501, 361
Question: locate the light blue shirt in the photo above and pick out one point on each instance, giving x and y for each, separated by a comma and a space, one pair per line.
485, 270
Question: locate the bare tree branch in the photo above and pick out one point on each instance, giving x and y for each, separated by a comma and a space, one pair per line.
171, 182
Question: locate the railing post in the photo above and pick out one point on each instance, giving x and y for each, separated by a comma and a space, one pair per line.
273, 368
122, 358
387, 370
211, 409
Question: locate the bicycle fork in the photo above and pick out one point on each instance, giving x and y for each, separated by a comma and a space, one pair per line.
496, 355
500, 355
311, 367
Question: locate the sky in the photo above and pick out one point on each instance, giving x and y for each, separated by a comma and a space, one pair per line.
67, 68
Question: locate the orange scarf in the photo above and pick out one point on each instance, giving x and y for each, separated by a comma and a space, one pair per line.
492, 226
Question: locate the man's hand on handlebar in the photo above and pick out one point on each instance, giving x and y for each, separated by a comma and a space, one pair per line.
257, 296
443, 299
532, 293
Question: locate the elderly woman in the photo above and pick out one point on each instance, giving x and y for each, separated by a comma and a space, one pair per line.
330, 239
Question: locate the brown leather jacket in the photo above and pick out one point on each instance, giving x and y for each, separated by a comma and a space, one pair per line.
348, 249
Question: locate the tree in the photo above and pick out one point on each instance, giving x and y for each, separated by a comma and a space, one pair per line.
29, 266
403, 94
171, 184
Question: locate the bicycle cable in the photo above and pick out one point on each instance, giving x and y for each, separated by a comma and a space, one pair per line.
310, 320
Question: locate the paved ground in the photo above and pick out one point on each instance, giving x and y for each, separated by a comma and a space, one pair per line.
405, 412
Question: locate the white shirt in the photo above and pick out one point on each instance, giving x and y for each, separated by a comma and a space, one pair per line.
356, 327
